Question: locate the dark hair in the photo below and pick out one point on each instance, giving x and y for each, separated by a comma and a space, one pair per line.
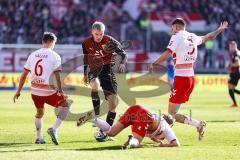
168, 118
179, 21
49, 37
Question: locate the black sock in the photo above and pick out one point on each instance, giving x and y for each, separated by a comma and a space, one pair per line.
96, 102
231, 93
236, 91
110, 118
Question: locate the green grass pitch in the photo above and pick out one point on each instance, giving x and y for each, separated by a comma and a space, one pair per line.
222, 138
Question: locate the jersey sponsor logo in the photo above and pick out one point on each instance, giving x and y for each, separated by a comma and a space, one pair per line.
38, 81
189, 58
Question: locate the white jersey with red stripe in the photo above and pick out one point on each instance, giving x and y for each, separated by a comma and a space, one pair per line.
183, 46
42, 64
164, 131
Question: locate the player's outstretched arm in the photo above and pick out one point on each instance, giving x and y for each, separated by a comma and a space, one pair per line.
173, 144
21, 83
164, 56
212, 35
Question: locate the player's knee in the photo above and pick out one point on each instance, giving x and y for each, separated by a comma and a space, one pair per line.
94, 85
231, 86
113, 99
66, 104
94, 88
39, 113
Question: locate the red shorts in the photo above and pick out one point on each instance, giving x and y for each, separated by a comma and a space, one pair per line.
182, 88
53, 100
139, 117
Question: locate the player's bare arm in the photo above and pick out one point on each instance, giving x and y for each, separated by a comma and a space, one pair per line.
172, 144
58, 80
212, 35
164, 56
21, 83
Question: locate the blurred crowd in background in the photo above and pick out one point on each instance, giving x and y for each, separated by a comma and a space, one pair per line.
23, 21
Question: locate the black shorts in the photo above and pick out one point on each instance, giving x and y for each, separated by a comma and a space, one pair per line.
233, 79
107, 79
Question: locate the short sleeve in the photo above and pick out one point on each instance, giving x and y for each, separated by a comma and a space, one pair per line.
197, 39
173, 44
57, 66
27, 65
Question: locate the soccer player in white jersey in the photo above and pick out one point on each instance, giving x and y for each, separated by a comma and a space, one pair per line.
43, 64
183, 47
143, 124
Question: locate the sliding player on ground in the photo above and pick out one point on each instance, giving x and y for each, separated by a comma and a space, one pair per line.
143, 124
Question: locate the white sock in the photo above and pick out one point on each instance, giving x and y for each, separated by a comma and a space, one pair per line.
57, 124
103, 125
191, 121
38, 124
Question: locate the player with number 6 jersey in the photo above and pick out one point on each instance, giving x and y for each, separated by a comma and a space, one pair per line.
43, 64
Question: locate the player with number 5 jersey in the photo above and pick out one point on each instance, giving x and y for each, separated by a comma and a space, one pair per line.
183, 48
45, 64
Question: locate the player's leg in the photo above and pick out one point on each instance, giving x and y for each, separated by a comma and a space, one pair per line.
112, 104
112, 98
39, 124
109, 85
232, 82
231, 91
62, 114
182, 89
174, 108
39, 104
94, 83
108, 129
58, 100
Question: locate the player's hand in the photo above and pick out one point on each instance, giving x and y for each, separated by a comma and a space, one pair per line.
151, 68
229, 67
61, 92
17, 94
223, 25
158, 144
122, 68
85, 80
